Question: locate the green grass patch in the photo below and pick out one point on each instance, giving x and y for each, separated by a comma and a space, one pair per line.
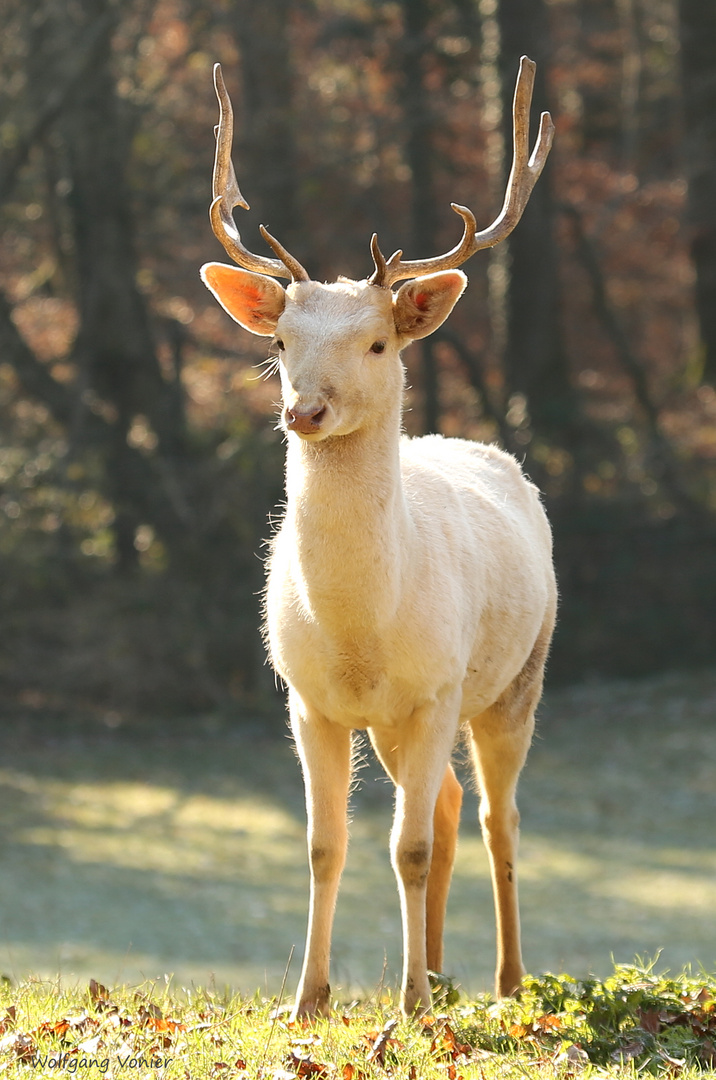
634, 1022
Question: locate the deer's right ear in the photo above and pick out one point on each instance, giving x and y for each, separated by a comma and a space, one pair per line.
254, 301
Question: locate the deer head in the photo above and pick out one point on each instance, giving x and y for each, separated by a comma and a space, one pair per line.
338, 344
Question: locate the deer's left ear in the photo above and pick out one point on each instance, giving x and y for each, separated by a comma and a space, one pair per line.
421, 306
254, 301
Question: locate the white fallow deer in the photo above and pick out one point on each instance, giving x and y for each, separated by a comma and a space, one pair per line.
410, 585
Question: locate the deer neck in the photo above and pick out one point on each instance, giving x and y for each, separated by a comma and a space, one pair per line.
350, 524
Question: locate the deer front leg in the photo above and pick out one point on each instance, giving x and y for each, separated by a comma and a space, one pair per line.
325, 751
416, 757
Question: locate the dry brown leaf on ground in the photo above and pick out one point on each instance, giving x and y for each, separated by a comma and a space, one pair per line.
380, 1041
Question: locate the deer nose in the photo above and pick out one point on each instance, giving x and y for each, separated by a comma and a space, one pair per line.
304, 421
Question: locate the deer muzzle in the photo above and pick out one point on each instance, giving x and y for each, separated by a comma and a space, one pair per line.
304, 421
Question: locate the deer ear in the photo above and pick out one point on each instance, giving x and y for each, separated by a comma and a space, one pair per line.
421, 306
255, 302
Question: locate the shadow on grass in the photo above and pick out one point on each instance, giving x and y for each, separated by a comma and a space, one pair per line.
127, 853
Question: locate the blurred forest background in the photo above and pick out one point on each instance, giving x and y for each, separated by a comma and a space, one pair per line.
139, 461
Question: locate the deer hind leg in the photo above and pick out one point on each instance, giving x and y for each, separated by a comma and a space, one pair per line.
446, 821
499, 750
501, 738
325, 752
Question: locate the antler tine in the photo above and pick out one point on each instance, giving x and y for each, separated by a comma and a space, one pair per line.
226, 195
526, 169
291, 264
381, 265
524, 174
387, 271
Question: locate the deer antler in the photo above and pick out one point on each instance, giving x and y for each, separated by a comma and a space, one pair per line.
226, 195
523, 177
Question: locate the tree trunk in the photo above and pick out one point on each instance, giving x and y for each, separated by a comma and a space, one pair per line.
114, 347
535, 361
421, 159
268, 174
698, 40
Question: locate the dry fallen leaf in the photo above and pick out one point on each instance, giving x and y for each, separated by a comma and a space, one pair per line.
90, 1046
629, 1052
445, 1041
383, 1039
98, 994
24, 1047
304, 1065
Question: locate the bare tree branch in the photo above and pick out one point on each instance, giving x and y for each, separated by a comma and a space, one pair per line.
588, 256
474, 374
36, 380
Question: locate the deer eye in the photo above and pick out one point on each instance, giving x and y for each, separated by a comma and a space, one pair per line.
378, 347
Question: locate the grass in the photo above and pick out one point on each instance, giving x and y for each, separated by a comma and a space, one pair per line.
634, 1023
132, 854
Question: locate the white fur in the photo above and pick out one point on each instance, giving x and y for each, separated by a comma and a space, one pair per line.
410, 591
